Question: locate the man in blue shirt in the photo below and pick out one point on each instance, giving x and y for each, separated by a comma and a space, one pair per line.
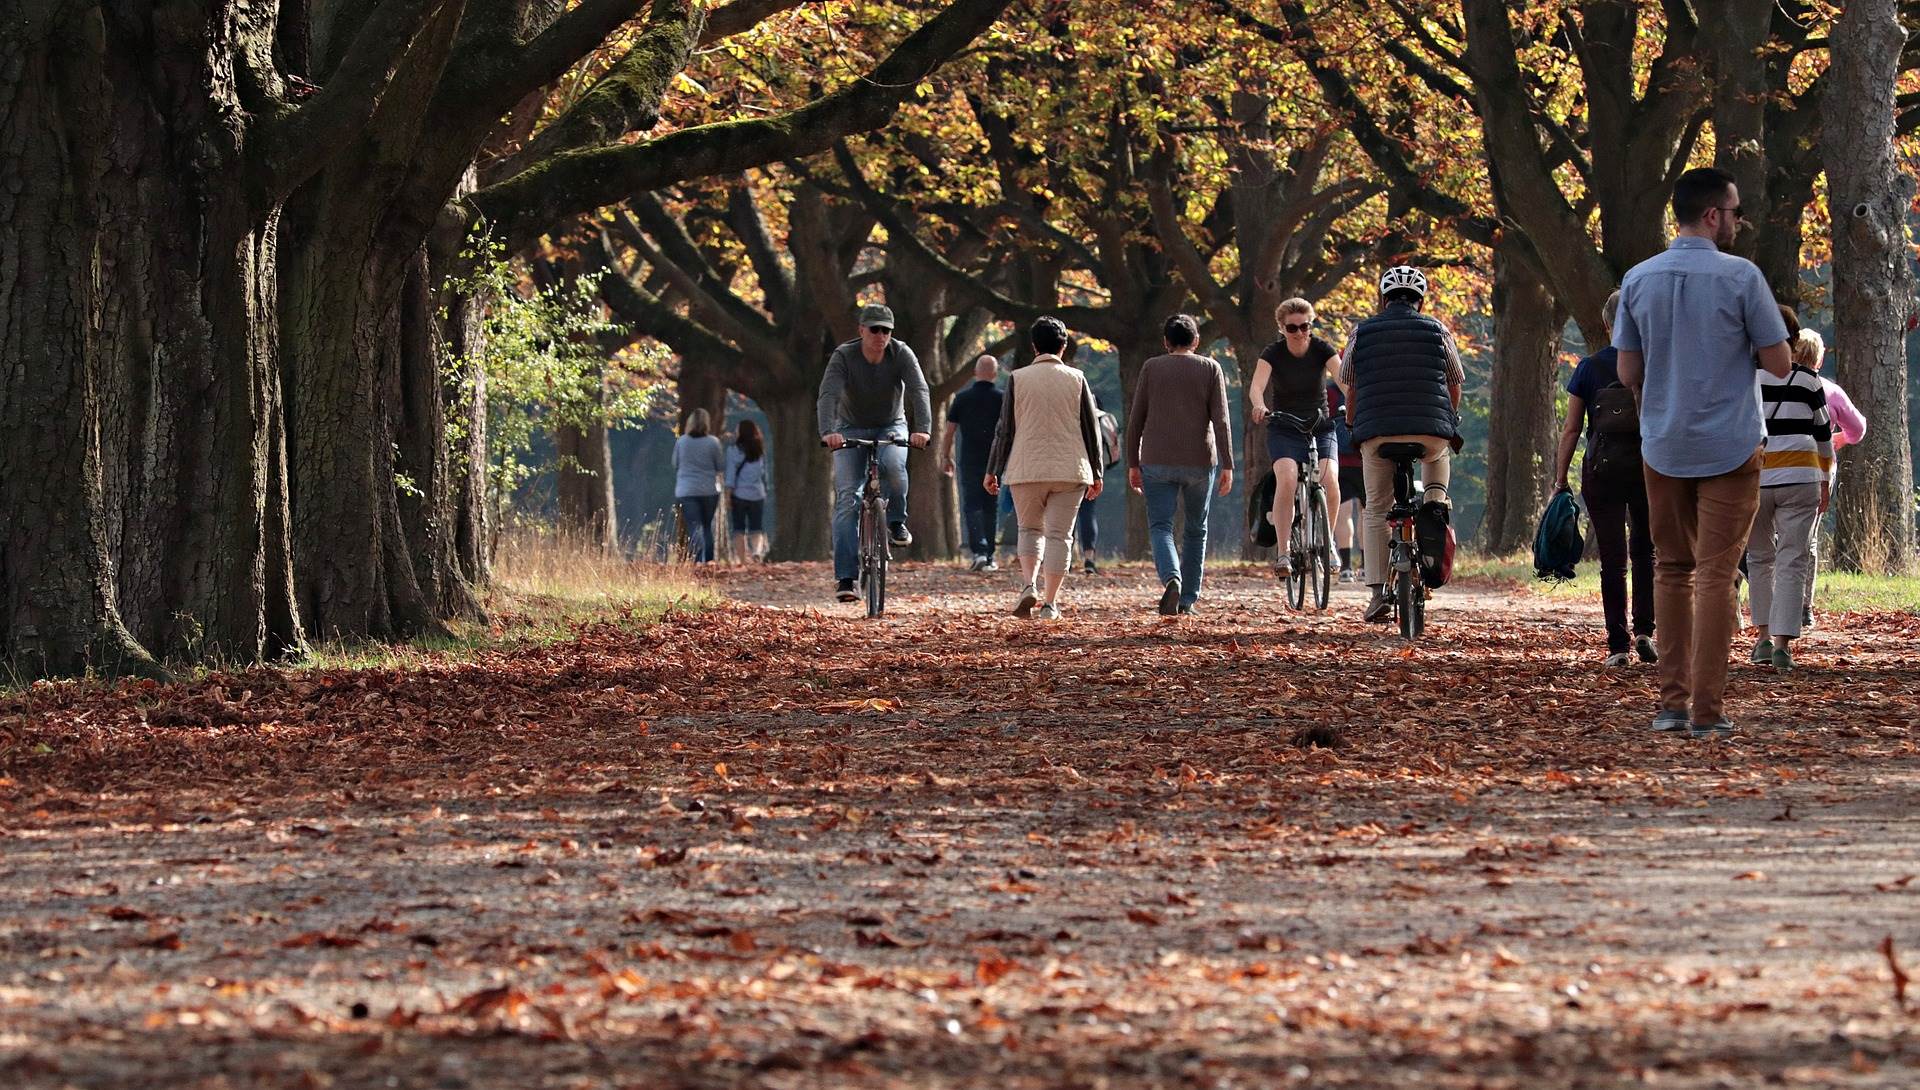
1692, 323
974, 414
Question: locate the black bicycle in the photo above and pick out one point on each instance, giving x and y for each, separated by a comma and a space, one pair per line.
1403, 544
1310, 546
876, 545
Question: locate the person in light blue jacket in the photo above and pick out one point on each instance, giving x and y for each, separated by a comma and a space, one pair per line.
747, 492
698, 461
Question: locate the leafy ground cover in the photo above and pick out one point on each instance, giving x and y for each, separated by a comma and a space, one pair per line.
776, 844
1837, 591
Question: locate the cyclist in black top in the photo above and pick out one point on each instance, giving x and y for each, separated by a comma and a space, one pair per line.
1291, 378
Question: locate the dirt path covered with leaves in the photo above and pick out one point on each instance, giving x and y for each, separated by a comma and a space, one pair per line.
789, 847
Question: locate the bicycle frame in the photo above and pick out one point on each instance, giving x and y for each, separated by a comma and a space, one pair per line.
876, 545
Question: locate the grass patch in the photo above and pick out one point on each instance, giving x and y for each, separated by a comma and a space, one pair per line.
544, 587
1836, 592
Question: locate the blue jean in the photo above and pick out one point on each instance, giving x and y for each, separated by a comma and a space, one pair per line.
849, 482
697, 512
1086, 528
1165, 487
981, 510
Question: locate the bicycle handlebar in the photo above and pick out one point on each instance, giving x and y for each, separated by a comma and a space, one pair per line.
881, 442
1321, 424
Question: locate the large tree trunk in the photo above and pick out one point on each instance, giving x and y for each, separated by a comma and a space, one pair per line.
1873, 285
802, 478
1527, 324
138, 471
1740, 91
1134, 355
355, 574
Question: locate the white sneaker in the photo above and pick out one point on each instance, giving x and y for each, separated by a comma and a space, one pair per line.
1619, 660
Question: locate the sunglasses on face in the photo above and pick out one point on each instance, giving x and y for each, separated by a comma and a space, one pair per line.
1738, 211
879, 330
1302, 327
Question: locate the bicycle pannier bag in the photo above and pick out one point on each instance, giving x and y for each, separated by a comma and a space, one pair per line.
1433, 531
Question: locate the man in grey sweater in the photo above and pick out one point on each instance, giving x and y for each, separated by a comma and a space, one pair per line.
871, 385
1179, 451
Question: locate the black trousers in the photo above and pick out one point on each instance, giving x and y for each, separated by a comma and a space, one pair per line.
1618, 512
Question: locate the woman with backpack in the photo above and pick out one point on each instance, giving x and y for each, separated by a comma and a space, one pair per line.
747, 492
1615, 493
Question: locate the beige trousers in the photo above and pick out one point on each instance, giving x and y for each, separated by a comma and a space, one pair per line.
1046, 510
1434, 473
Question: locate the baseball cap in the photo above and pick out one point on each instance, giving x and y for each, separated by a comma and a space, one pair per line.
874, 314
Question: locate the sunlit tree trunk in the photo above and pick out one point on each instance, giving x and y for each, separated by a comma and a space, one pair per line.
1873, 286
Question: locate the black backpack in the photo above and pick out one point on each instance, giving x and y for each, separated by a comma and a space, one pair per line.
1613, 447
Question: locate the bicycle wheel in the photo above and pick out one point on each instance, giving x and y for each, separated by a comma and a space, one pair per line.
872, 548
867, 541
1405, 588
1297, 574
1321, 551
877, 583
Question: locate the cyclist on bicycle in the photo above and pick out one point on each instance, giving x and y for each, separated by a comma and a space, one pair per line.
871, 384
1291, 378
1403, 376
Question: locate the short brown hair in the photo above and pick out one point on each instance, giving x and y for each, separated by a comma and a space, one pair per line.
1295, 305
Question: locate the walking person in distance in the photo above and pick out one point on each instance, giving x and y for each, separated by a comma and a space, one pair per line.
698, 462
973, 416
1179, 453
1613, 486
1047, 450
747, 492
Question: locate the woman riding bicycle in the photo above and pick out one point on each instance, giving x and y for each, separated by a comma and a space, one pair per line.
1291, 378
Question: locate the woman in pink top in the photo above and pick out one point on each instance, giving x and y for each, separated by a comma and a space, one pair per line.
1849, 427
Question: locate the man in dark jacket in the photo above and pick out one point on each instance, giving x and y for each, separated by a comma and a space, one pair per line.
1404, 374
974, 414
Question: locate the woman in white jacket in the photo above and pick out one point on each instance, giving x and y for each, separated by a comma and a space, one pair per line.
1047, 451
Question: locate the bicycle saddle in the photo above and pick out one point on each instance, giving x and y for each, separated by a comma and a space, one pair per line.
1402, 452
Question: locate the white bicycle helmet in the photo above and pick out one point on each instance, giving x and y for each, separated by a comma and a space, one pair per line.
1404, 277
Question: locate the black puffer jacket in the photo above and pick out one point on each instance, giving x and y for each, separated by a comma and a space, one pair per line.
1400, 368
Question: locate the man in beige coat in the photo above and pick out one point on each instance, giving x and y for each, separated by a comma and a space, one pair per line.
1047, 450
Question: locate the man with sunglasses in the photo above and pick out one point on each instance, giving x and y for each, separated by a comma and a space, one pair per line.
1691, 324
871, 384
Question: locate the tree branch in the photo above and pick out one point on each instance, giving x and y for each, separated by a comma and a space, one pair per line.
968, 287
743, 216
646, 315
741, 16
523, 206
297, 143
626, 98
666, 246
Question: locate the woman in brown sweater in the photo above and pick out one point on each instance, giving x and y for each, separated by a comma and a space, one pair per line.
1047, 450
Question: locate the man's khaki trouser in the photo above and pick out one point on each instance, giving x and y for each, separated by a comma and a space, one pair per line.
1434, 473
1700, 528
